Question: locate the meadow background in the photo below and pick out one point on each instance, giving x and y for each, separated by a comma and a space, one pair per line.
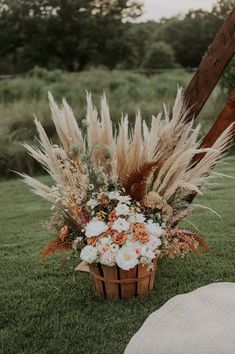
68, 47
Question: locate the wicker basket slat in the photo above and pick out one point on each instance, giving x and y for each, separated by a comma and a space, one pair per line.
115, 283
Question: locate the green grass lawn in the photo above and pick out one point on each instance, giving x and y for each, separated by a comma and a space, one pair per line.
48, 309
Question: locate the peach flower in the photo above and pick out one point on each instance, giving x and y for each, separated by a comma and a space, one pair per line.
119, 238
112, 216
141, 232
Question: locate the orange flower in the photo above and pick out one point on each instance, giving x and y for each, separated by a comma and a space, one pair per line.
140, 232
103, 200
64, 231
91, 241
119, 238
112, 216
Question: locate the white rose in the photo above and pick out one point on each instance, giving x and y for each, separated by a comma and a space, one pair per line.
126, 258
153, 243
108, 258
113, 195
124, 199
120, 225
105, 241
122, 209
95, 228
136, 218
147, 253
92, 203
89, 254
154, 229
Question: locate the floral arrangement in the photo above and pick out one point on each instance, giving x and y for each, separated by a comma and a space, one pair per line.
120, 193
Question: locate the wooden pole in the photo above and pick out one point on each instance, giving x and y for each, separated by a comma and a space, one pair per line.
225, 119
212, 66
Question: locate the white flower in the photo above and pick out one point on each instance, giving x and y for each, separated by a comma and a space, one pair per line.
153, 243
135, 246
89, 254
114, 247
154, 229
95, 228
147, 253
91, 187
108, 258
122, 209
120, 225
106, 241
136, 218
92, 203
126, 258
124, 199
113, 195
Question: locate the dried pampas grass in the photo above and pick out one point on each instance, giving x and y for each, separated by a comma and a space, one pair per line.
105, 157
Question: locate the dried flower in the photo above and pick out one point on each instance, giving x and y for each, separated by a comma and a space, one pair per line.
152, 199
64, 231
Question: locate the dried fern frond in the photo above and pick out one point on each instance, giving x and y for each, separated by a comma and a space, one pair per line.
135, 181
55, 246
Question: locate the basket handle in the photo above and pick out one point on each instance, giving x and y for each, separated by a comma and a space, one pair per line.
121, 281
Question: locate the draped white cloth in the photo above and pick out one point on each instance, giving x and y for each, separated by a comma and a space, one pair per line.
200, 322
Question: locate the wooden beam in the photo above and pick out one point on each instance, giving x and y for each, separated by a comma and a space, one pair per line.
212, 66
225, 119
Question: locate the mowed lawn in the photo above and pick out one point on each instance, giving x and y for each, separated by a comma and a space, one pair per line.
47, 308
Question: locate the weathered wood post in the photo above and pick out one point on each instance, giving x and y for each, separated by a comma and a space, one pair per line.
205, 79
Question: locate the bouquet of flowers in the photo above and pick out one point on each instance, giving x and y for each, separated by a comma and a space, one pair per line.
120, 192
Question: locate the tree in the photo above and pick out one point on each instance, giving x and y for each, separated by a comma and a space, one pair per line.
159, 56
189, 36
68, 34
222, 8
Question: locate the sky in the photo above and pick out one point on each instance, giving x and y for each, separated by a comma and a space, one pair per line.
156, 9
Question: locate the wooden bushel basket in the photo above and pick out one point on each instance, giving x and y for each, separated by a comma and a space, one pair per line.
113, 283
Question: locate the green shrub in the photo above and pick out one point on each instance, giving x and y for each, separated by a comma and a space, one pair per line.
159, 56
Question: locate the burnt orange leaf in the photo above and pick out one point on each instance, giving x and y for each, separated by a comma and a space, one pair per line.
54, 246
202, 243
135, 181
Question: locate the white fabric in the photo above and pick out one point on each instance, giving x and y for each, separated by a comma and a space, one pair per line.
200, 322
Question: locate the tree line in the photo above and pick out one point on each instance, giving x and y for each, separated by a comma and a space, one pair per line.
75, 35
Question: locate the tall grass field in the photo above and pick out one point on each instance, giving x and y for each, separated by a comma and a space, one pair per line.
22, 97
